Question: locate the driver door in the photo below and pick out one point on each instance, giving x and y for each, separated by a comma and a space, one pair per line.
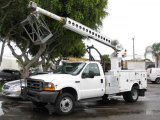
91, 85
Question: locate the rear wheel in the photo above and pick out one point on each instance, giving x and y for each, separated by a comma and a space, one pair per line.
153, 81
65, 104
157, 81
131, 96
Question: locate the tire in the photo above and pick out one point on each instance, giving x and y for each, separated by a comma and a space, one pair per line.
39, 104
65, 104
131, 96
153, 82
157, 81
125, 96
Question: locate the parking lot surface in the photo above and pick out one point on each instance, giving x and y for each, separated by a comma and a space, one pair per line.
147, 108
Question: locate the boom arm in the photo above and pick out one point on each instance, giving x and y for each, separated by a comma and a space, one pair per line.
78, 28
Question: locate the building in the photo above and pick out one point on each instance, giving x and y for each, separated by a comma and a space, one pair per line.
9, 62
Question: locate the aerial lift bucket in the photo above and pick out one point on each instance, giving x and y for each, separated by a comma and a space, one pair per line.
36, 29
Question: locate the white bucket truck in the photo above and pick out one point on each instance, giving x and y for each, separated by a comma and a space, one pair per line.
76, 81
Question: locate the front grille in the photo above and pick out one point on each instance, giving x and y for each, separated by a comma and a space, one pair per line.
6, 87
34, 84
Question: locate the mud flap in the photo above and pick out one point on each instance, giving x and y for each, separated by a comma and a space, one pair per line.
141, 92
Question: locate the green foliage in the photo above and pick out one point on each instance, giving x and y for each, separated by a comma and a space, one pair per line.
12, 12
106, 58
1, 86
156, 52
67, 43
156, 49
88, 12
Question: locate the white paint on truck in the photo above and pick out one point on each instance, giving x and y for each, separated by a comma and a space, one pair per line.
115, 81
123, 80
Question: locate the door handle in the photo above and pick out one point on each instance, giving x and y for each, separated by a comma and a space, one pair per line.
136, 73
101, 80
77, 81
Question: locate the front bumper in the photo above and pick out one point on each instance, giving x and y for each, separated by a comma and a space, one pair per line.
10, 93
44, 96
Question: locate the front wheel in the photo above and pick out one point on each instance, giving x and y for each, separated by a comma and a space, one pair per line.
157, 81
65, 104
131, 96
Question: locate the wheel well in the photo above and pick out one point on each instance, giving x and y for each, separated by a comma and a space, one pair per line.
135, 85
70, 90
157, 78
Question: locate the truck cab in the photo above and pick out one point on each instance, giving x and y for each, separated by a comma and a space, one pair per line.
79, 80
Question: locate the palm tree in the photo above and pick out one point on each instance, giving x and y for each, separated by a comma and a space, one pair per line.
155, 51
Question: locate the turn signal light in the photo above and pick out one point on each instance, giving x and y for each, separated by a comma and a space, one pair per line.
49, 87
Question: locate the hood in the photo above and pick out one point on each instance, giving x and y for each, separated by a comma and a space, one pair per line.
53, 77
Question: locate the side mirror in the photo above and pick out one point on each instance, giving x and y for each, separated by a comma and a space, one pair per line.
84, 75
91, 74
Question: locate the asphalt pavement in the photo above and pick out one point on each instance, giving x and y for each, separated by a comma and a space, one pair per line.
147, 108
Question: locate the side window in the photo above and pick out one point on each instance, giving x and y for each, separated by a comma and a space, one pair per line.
92, 67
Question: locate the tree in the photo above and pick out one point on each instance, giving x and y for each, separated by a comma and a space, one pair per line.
64, 42
107, 62
12, 13
106, 58
155, 51
86, 12
2, 48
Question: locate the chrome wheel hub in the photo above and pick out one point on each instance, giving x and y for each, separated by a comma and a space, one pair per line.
135, 94
66, 104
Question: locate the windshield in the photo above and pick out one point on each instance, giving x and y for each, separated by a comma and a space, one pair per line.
70, 68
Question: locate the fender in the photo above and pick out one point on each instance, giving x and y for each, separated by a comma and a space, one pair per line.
135, 82
71, 85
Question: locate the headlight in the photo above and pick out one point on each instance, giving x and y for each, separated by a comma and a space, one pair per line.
17, 88
48, 86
